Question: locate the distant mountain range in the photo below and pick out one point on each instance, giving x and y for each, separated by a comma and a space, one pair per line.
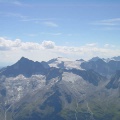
61, 89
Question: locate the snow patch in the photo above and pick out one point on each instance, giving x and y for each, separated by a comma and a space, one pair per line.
67, 63
70, 77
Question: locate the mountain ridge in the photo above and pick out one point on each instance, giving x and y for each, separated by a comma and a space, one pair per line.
38, 91
26, 67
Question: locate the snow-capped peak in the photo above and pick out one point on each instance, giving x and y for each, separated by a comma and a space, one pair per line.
61, 62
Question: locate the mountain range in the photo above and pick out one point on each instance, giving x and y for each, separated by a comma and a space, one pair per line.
61, 89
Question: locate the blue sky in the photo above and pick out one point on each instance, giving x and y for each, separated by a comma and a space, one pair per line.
75, 25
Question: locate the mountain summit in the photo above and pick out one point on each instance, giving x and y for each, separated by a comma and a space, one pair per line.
25, 67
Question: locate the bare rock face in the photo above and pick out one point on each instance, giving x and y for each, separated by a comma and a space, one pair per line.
101, 66
115, 81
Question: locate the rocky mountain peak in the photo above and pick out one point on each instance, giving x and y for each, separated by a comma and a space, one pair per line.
94, 59
26, 67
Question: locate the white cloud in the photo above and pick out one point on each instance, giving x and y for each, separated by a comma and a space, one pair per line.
37, 19
91, 44
17, 44
108, 22
50, 24
30, 46
48, 44
109, 46
16, 15
111, 20
12, 50
43, 21
53, 34
9, 44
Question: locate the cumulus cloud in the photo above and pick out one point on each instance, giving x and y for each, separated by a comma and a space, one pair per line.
17, 44
6, 44
9, 44
12, 50
30, 46
48, 44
